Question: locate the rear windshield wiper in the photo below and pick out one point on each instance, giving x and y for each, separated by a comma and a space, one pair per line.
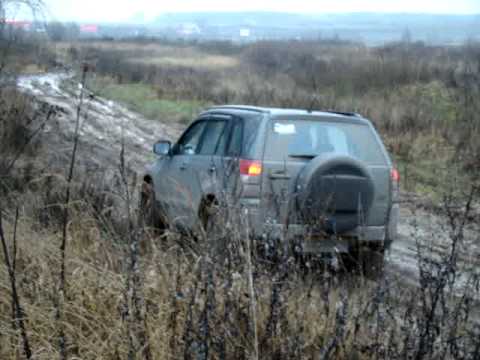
304, 156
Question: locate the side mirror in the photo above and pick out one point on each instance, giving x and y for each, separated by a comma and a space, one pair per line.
162, 147
188, 150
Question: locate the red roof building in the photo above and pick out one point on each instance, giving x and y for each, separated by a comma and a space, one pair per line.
89, 29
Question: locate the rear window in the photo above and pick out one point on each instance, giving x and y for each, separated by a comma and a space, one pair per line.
303, 138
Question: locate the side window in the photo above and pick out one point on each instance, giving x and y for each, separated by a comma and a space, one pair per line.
188, 144
235, 145
222, 142
211, 136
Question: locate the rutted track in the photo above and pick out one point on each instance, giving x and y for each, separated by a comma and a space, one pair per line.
433, 231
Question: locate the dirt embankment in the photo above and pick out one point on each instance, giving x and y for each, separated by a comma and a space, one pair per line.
105, 125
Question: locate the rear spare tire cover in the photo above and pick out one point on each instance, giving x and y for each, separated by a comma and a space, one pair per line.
334, 193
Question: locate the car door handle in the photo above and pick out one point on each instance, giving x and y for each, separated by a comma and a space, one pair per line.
183, 166
280, 174
212, 169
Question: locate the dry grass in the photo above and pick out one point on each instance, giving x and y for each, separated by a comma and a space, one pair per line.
198, 301
157, 54
197, 60
118, 46
96, 285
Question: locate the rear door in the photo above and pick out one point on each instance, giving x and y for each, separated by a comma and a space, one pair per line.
293, 142
280, 171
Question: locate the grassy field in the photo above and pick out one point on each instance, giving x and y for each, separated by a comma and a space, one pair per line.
156, 54
143, 99
190, 60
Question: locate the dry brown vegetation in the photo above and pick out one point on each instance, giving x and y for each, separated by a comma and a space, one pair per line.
130, 292
191, 298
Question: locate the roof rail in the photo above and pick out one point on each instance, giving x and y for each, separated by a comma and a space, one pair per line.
238, 107
345, 113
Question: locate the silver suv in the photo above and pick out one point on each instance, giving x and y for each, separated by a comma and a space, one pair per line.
322, 177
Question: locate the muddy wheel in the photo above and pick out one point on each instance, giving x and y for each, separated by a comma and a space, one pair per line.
350, 261
368, 262
150, 214
374, 261
208, 214
211, 224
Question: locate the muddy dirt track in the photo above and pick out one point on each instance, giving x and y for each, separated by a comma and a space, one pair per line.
105, 124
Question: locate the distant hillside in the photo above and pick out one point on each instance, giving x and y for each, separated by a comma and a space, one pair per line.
372, 28
260, 19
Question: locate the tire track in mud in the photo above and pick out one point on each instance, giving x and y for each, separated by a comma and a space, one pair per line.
432, 231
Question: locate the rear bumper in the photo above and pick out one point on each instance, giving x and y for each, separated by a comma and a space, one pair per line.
362, 235
312, 243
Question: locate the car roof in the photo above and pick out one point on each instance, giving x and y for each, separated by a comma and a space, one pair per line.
274, 112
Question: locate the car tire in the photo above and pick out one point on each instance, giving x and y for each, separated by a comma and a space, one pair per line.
212, 224
150, 210
374, 263
368, 262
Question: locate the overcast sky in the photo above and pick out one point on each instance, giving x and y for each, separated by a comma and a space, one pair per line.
120, 10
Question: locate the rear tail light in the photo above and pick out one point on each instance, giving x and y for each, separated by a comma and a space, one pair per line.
250, 167
395, 175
